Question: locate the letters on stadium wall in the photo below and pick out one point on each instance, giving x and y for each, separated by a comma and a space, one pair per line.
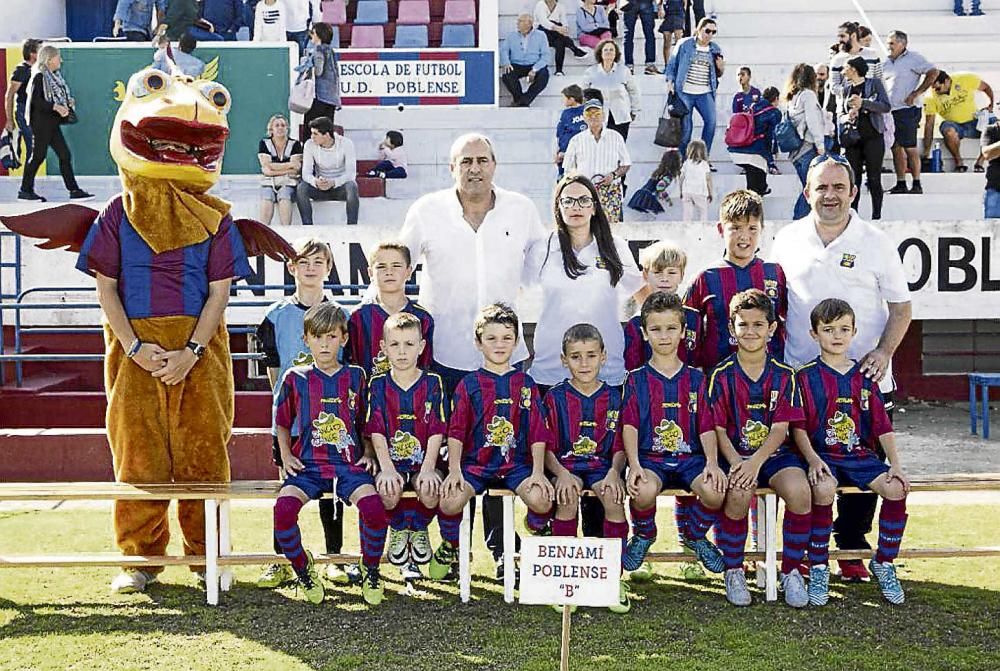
392, 77
953, 267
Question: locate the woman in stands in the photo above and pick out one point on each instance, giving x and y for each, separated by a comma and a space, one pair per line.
863, 102
617, 84
281, 164
50, 105
755, 157
550, 17
324, 67
805, 112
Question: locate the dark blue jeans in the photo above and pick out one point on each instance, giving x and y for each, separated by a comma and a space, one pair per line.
26, 134
705, 104
801, 164
647, 15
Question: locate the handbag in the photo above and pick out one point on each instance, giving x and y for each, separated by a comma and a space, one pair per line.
668, 132
676, 106
786, 135
849, 134
302, 96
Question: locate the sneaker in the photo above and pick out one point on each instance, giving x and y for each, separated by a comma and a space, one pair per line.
916, 189
420, 547
399, 546
31, 195
132, 581
310, 582
707, 554
885, 573
544, 531
635, 552
337, 575
560, 73
736, 587
898, 189
652, 70
794, 586
853, 570
442, 561
80, 194
692, 570
819, 585
580, 53
642, 574
275, 575
372, 588
411, 572
624, 603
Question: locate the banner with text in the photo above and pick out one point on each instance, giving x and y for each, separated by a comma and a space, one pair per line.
394, 77
949, 266
570, 571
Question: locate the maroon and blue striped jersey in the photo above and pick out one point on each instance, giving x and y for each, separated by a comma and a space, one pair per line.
326, 413
844, 412
745, 409
669, 413
498, 418
710, 294
583, 430
406, 417
364, 330
638, 351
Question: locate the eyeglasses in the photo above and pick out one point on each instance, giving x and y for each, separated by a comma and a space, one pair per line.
823, 158
582, 202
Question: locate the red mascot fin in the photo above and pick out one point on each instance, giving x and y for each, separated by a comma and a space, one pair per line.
260, 239
61, 226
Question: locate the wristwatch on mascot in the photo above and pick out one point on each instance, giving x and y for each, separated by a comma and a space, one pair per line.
197, 349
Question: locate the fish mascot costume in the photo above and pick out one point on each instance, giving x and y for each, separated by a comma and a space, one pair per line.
164, 253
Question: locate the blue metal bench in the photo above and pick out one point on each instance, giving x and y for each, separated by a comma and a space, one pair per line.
984, 380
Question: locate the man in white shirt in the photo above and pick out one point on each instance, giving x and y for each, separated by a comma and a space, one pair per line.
833, 253
600, 155
472, 239
329, 170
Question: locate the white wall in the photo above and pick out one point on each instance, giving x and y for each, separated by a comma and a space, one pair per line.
32, 18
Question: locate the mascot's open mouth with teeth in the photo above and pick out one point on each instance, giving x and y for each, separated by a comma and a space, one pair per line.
171, 140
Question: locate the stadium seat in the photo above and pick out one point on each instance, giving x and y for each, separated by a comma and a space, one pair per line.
461, 35
367, 37
460, 11
414, 13
334, 12
410, 37
372, 13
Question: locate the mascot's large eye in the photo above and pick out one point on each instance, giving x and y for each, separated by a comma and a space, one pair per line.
217, 95
153, 81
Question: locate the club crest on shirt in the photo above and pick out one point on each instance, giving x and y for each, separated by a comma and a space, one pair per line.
600, 263
525, 398
352, 399
752, 435
611, 420
380, 364
329, 429
428, 411
583, 447
404, 446
668, 437
841, 431
303, 359
774, 400
865, 399
771, 289
500, 434
689, 338
693, 401
847, 260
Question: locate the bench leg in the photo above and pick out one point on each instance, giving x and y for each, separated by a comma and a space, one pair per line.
972, 406
211, 554
986, 412
464, 551
225, 544
771, 546
509, 570
761, 540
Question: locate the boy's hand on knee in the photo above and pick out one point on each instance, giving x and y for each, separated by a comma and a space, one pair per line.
428, 483
612, 486
818, 472
896, 473
714, 477
291, 465
548, 491
389, 483
636, 476
567, 486
743, 475
453, 485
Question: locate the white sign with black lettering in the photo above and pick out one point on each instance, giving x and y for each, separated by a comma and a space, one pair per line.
570, 571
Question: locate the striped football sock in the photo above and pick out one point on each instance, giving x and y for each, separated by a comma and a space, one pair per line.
891, 523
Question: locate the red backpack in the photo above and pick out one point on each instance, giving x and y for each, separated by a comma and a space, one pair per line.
740, 131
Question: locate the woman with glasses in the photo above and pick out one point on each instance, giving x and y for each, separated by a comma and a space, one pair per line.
863, 102
586, 275
693, 73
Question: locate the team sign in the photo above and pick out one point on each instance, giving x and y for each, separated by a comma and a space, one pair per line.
570, 571
416, 78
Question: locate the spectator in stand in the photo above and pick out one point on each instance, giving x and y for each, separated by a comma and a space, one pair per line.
991, 152
392, 157
828, 102
903, 71
134, 18
15, 100
975, 8
644, 11
550, 17
599, 154
50, 104
617, 86
270, 22
592, 26
224, 18
672, 26
693, 71
280, 159
695, 183
329, 170
954, 98
570, 123
323, 61
865, 36
864, 102
849, 46
184, 57
698, 7
748, 95
525, 53
299, 15
756, 157
807, 115
179, 17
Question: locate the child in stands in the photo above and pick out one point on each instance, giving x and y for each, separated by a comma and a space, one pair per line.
845, 420
570, 121
324, 404
496, 436
647, 198
406, 422
754, 399
585, 450
392, 157
695, 183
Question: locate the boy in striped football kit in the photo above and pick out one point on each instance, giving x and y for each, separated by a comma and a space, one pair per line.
585, 447
754, 399
845, 421
496, 436
325, 402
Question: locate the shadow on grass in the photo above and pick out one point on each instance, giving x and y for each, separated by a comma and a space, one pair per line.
683, 625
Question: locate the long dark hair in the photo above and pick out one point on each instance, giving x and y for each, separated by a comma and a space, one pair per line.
599, 228
803, 77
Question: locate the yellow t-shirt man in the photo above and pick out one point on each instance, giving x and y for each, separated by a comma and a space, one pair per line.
959, 104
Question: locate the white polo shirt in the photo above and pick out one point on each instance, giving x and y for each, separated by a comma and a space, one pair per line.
464, 269
589, 298
861, 266
587, 156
